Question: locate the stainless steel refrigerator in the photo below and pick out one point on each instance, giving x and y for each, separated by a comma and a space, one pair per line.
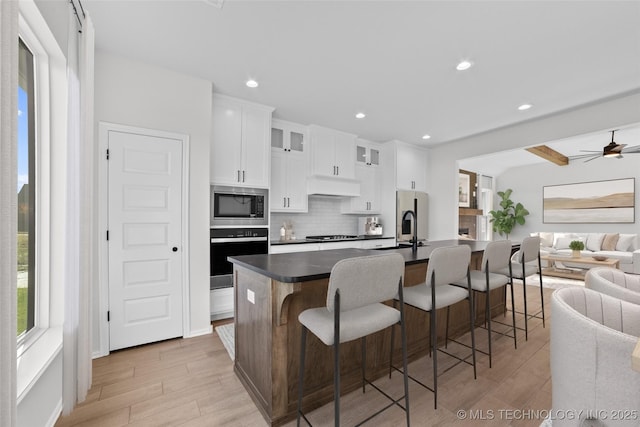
411, 200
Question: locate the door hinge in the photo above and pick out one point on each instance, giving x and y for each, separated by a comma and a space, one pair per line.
107, 234
107, 154
108, 316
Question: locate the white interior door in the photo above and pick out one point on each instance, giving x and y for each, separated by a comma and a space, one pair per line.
145, 238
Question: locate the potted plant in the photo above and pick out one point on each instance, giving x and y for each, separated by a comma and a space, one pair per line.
576, 246
511, 214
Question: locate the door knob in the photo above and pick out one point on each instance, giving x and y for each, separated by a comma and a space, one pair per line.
175, 249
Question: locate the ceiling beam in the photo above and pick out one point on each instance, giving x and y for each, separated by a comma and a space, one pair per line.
550, 154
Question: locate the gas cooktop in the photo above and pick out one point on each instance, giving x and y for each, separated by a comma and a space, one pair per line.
332, 237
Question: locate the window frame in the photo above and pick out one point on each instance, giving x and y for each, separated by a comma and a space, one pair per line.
33, 190
43, 133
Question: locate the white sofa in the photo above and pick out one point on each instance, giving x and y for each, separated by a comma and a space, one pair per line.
623, 247
592, 339
614, 282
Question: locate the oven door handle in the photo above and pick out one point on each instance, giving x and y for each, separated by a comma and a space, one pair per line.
238, 239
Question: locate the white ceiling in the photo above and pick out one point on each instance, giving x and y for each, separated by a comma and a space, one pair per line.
322, 61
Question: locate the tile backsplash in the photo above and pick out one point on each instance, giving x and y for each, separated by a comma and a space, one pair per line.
324, 217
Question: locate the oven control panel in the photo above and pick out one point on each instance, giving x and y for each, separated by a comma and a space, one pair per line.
238, 233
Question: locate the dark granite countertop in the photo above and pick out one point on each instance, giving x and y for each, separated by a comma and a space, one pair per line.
314, 265
298, 241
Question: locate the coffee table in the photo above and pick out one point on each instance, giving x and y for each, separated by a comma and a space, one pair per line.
573, 273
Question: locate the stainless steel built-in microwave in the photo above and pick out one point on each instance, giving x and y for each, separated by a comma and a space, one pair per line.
238, 206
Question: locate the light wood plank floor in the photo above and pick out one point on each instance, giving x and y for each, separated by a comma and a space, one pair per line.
190, 382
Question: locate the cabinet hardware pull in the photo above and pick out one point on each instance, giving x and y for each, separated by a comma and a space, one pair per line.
238, 175
288, 202
242, 176
284, 202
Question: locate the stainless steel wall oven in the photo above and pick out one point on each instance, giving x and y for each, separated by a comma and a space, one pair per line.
226, 242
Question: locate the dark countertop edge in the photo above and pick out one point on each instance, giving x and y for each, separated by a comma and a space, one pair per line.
262, 263
302, 241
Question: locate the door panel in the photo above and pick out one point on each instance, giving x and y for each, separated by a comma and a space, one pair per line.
145, 238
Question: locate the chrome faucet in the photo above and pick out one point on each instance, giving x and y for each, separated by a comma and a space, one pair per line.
414, 239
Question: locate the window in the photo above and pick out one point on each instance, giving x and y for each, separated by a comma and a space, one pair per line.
26, 192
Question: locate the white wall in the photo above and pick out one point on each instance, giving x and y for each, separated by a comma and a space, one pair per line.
443, 160
528, 191
137, 94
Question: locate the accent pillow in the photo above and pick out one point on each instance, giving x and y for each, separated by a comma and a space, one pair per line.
546, 239
563, 242
594, 241
609, 242
624, 242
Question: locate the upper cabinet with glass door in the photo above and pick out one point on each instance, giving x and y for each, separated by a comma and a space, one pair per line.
289, 167
287, 136
369, 174
367, 153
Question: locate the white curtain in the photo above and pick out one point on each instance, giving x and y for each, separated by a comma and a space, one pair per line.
8, 207
79, 269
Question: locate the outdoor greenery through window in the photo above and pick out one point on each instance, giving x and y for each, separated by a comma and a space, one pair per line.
26, 192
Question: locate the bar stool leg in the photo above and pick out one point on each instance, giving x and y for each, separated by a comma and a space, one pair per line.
363, 346
513, 318
336, 360
434, 352
446, 329
303, 346
526, 316
488, 318
541, 292
393, 336
473, 335
403, 332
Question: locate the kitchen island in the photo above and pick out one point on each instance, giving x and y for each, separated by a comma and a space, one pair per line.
272, 290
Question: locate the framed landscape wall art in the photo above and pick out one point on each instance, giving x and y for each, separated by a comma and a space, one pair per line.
610, 201
463, 190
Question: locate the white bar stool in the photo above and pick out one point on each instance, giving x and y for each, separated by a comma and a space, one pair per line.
357, 288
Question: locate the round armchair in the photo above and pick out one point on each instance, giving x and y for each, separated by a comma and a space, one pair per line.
592, 339
614, 282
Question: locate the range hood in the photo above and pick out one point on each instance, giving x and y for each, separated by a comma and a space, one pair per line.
332, 186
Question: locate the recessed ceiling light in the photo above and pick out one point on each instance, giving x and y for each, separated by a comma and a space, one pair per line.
524, 107
360, 115
252, 83
464, 65
426, 136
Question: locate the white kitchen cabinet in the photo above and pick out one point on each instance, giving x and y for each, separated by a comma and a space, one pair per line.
367, 172
288, 167
411, 167
341, 245
332, 152
368, 203
240, 138
294, 247
325, 246
221, 303
378, 243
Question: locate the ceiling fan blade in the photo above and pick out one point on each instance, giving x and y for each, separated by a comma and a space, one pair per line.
584, 156
634, 149
593, 158
591, 151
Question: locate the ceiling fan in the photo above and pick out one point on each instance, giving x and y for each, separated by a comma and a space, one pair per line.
611, 150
